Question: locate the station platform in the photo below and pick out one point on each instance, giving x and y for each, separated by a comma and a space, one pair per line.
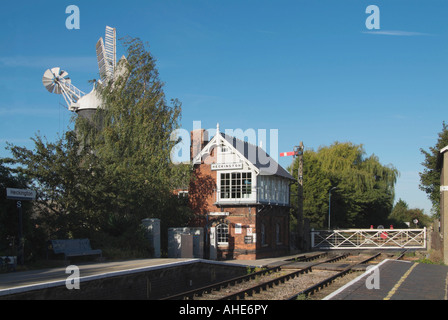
18, 281
12, 281
397, 280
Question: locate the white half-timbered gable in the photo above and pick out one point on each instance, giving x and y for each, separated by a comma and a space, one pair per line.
245, 173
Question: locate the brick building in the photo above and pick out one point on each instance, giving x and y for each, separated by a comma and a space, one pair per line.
240, 196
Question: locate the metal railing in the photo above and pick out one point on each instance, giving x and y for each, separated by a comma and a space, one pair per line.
369, 239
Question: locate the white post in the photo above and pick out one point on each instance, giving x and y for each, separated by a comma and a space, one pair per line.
312, 238
424, 237
213, 249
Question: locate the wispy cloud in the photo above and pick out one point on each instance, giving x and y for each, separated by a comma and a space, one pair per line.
397, 33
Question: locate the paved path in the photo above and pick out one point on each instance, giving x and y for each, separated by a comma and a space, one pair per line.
397, 280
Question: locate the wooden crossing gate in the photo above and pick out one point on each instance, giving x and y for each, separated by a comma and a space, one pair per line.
369, 239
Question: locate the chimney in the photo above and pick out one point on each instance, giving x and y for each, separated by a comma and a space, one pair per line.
199, 138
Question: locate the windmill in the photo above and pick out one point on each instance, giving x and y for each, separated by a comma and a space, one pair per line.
57, 81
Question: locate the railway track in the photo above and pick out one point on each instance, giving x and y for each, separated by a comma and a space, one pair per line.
192, 294
286, 280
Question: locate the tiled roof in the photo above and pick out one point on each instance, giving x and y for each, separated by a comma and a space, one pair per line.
258, 157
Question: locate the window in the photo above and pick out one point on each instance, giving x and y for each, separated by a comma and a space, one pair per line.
182, 194
225, 185
277, 233
222, 233
236, 185
224, 149
274, 190
246, 184
263, 234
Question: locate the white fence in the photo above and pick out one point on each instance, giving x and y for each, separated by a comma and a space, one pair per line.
369, 239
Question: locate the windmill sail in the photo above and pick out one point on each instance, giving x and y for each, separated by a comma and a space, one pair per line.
107, 55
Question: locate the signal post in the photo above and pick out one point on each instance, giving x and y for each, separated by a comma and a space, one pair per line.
298, 152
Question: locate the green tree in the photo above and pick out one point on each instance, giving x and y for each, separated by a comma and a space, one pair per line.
401, 215
364, 187
430, 177
131, 145
315, 192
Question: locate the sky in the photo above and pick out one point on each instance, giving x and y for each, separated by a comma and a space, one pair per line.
311, 69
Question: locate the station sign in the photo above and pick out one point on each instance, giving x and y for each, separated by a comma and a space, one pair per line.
226, 166
218, 213
20, 194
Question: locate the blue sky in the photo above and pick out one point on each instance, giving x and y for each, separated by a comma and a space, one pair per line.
310, 69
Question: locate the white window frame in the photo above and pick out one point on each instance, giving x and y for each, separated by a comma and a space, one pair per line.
224, 149
238, 188
221, 234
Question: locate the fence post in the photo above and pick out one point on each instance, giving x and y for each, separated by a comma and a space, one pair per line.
312, 238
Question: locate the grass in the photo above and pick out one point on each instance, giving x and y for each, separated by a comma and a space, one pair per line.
427, 257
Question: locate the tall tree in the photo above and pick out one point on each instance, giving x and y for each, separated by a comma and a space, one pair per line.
430, 177
399, 214
130, 137
364, 188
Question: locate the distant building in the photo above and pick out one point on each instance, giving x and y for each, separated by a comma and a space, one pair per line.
240, 196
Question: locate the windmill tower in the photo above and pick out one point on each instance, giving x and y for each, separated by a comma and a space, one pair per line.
57, 81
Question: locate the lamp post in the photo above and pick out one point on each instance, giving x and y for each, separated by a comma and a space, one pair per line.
329, 206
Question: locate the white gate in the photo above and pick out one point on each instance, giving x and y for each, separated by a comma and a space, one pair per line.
369, 239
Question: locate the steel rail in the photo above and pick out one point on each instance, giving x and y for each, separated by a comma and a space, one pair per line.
257, 288
325, 282
188, 295
401, 255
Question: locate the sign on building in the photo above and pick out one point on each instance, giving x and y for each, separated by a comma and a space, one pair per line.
226, 166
